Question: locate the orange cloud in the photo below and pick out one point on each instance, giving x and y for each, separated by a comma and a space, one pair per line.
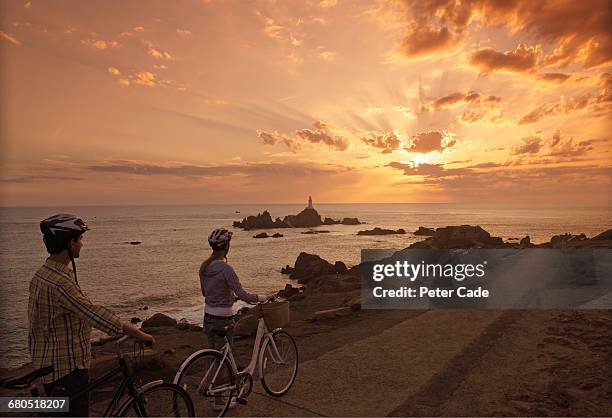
605, 83
567, 147
144, 78
184, 33
217, 170
459, 98
556, 78
424, 40
100, 44
562, 107
529, 145
9, 37
426, 142
272, 138
521, 59
579, 31
323, 134
155, 52
388, 142
507, 181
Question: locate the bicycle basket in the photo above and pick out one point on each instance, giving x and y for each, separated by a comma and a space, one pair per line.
276, 314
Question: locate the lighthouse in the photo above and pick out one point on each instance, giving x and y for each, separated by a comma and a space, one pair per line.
309, 203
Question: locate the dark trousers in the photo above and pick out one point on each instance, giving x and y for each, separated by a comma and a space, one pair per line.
69, 385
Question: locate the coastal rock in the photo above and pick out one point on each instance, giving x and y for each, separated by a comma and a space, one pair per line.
463, 236
277, 235
340, 267
566, 240
287, 269
261, 221
307, 218
186, 326
604, 236
333, 283
314, 231
424, 231
525, 242
261, 235
159, 320
288, 291
135, 320
308, 266
380, 231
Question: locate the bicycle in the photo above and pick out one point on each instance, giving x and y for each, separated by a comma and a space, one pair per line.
155, 398
212, 378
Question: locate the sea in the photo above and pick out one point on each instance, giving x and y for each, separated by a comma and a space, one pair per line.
161, 273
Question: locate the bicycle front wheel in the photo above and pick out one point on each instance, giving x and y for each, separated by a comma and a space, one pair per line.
279, 363
160, 400
210, 383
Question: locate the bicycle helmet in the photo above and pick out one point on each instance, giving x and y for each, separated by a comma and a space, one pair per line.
58, 230
219, 239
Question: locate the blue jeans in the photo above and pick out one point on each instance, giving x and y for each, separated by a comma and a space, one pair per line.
215, 340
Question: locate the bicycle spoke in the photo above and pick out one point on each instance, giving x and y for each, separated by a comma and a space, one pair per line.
210, 383
279, 364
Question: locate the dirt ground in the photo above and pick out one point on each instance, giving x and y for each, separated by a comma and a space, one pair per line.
418, 363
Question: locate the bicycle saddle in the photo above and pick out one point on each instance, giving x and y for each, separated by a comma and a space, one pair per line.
20, 382
223, 331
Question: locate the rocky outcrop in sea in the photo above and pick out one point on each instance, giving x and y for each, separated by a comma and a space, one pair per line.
307, 218
381, 231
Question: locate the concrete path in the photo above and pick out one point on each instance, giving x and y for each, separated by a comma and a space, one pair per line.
375, 375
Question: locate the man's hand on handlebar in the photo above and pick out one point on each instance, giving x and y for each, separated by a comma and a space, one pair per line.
139, 335
147, 339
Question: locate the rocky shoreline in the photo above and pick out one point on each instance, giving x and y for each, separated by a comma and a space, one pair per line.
326, 314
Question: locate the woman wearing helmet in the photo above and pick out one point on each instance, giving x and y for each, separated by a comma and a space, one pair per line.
220, 288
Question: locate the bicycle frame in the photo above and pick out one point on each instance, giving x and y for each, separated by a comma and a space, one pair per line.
127, 382
254, 369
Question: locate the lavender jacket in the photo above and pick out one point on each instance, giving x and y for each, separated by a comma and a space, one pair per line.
220, 286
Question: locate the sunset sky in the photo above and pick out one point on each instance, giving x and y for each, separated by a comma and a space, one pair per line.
147, 102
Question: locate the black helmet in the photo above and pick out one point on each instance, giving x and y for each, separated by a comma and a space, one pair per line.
59, 229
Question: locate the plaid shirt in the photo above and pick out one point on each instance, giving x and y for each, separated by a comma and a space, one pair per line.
60, 319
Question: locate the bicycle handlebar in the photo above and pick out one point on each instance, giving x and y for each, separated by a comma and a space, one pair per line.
123, 339
274, 299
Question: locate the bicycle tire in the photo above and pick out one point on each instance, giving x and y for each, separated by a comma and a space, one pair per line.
160, 400
203, 366
278, 382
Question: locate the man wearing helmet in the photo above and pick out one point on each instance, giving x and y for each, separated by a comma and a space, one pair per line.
61, 316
